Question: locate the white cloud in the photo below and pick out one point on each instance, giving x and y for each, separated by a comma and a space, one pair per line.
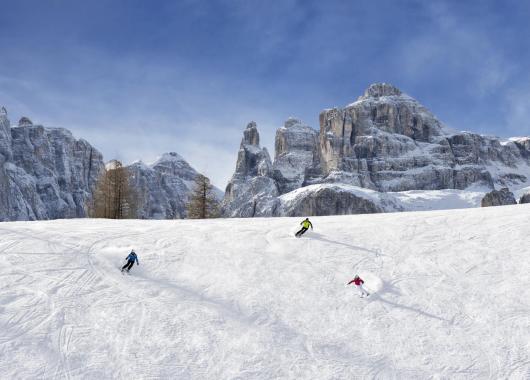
140, 110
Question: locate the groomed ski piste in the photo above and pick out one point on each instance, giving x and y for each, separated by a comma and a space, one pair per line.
245, 299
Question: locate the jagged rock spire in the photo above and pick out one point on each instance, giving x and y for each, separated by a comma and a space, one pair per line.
252, 188
252, 160
251, 134
3, 111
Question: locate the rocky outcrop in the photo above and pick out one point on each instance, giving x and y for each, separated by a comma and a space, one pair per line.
525, 198
385, 141
45, 173
328, 200
5, 137
164, 187
500, 197
251, 191
252, 160
296, 154
523, 144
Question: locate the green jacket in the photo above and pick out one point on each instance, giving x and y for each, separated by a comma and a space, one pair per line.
306, 224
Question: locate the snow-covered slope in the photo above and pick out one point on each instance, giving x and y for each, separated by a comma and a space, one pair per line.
243, 299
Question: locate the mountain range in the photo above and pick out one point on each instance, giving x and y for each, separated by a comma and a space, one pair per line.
45, 173
383, 152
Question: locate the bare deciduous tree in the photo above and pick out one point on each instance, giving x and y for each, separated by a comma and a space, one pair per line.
113, 197
202, 203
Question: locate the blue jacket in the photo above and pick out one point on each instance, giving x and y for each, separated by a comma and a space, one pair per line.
132, 257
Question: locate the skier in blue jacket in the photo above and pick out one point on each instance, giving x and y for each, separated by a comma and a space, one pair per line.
130, 261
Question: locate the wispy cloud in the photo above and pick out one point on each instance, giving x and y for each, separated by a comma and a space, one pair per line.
457, 50
138, 79
139, 110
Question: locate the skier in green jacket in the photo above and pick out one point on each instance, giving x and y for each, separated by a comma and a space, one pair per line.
305, 226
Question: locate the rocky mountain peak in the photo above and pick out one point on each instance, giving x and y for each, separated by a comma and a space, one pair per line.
377, 90
3, 111
291, 122
251, 188
251, 135
295, 135
169, 157
163, 187
174, 165
296, 149
25, 122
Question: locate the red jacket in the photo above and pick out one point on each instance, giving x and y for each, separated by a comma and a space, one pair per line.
357, 281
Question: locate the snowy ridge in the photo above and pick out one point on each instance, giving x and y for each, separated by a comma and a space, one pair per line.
168, 157
413, 200
450, 298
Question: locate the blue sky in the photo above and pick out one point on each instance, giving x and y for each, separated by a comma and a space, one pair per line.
140, 78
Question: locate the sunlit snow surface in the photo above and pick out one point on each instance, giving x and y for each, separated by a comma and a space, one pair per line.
244, 299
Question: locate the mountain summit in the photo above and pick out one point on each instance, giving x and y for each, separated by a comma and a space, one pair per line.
377, 90
386, 141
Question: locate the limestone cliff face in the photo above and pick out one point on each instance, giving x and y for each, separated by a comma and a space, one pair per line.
5, 136
252, 190
296, 154
385, 141
45, 173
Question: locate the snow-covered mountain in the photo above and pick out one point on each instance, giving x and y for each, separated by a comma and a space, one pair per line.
385, 141
244, 299
45, 173
163, 187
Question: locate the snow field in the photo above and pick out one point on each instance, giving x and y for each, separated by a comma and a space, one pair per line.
244, 299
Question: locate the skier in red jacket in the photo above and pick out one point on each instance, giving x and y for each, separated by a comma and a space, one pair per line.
359, 284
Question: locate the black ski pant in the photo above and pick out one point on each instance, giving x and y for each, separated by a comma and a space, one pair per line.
302, 231
128, 266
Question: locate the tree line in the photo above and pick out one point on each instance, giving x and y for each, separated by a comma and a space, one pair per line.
115, 198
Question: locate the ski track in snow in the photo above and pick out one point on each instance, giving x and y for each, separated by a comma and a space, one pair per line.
245, 299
